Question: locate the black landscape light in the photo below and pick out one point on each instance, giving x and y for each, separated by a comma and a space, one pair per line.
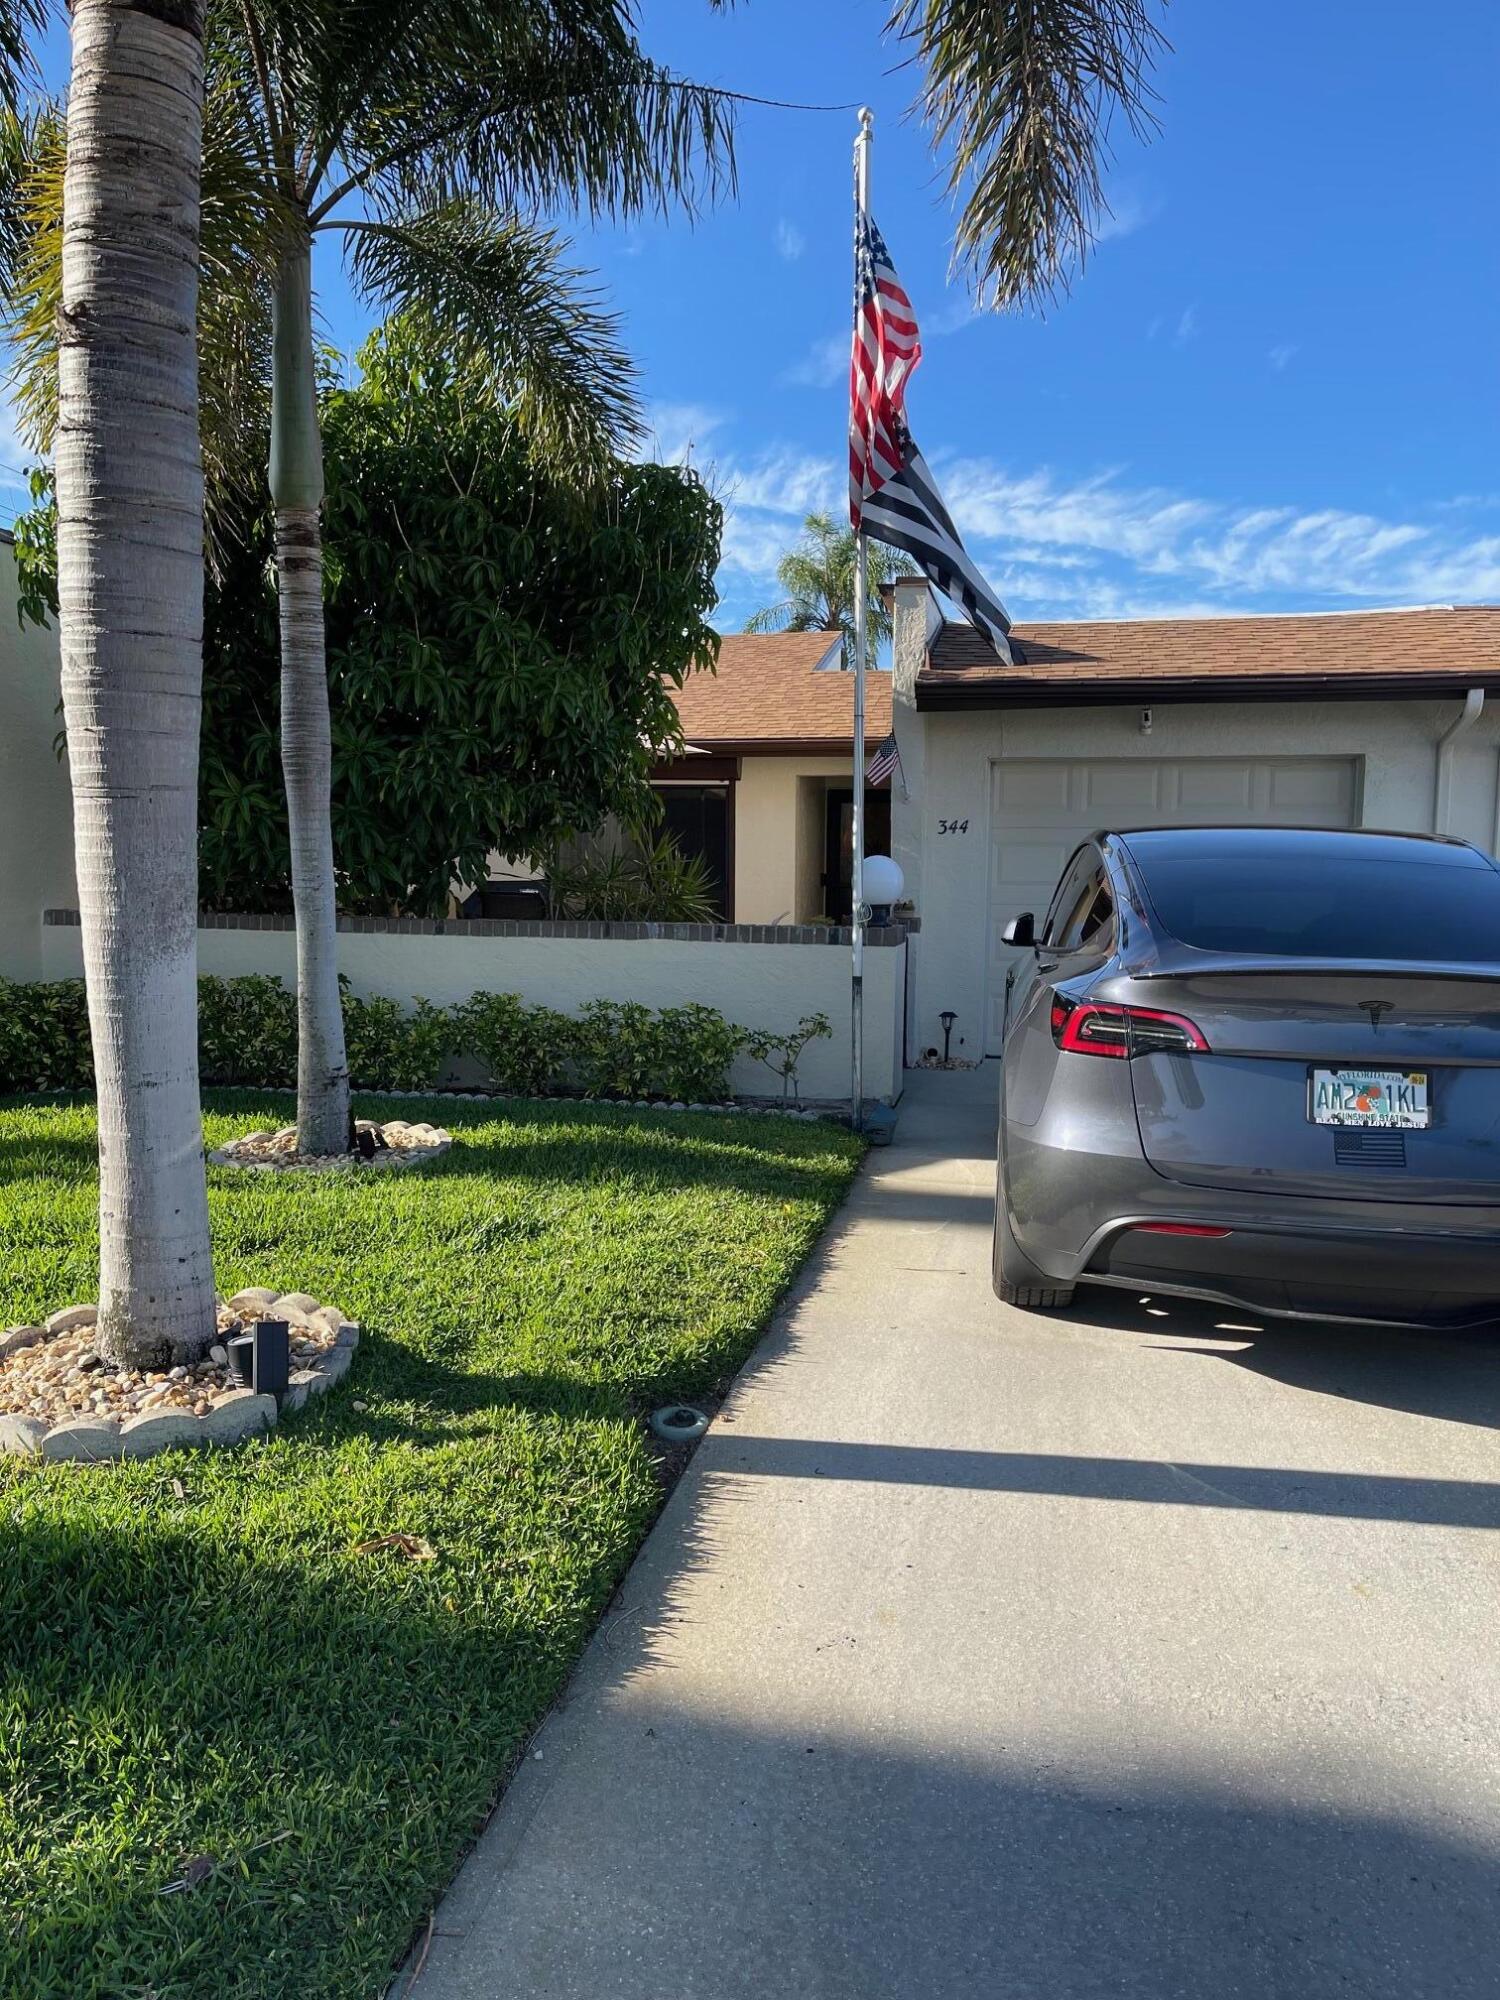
947, 1017
262, 1357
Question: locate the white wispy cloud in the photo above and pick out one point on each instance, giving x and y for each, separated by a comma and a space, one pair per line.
789, 240
1187, 326
678, 432
1127, 213
1102, 534
824, 363
1281, 354
1101, 547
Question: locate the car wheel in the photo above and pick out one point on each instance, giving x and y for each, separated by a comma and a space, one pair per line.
1017, 1280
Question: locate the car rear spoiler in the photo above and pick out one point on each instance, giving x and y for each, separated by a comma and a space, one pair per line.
1184, 962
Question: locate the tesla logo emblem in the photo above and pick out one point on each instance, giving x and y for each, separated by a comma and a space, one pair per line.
1375, 1008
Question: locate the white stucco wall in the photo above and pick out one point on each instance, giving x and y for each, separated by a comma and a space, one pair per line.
36, 806
947, 760
757, 985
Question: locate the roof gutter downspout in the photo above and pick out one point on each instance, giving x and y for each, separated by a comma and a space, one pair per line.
1467, 716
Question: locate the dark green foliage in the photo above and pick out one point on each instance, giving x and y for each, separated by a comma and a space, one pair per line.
194, 1660
694, 1047
390, 1048
500, 643
520, 1048
651, 883
615, 1049
247, 1032
44, 1036
247, 1035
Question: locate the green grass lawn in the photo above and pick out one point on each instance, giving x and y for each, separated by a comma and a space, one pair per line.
194, 1661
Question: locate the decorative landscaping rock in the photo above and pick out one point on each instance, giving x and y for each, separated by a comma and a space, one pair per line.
88, 1440
393, 1144
60, 1399
237, 1416
164, 1430
290, 1303
73, 1317
22, 1434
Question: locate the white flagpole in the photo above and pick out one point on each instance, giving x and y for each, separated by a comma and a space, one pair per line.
857, 829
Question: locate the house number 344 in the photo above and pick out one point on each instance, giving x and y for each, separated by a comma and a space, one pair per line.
953, 826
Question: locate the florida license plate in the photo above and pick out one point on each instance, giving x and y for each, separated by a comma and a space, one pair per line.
1380, 1097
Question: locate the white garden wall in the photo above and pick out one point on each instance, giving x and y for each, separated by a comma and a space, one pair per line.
755, 974
36, 806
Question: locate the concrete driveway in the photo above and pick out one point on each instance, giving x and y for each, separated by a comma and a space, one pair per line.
1120, 1652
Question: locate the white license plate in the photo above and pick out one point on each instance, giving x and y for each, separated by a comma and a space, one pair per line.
1381, 1097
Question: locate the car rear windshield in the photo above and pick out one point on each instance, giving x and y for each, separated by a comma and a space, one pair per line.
1330, 906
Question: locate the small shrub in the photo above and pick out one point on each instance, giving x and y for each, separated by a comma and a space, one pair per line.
247, 1032
781, 1054
391, 1049
695, 1046
44, 1036
523, 1049
654, 884
615, 1049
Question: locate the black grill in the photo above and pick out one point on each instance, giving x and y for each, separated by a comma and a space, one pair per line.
1369, 1149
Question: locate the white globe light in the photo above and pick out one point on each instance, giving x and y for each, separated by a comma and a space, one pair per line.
882, 881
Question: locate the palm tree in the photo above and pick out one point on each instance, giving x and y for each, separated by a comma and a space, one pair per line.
426, 141
130, 547
818, 578
1020, 94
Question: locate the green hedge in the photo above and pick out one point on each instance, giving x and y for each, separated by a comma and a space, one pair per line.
247, 1034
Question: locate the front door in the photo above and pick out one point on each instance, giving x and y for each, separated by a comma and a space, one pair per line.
838, 856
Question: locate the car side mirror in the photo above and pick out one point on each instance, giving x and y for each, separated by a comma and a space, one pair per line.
1021, 931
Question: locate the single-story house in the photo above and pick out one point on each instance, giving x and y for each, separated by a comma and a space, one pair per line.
764, 789
1371, 718
768, 793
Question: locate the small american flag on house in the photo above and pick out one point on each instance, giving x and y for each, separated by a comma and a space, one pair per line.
884, 761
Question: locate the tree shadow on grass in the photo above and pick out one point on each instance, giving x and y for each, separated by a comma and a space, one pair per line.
327, 1728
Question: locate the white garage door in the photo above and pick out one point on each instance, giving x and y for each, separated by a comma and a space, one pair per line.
1041, 808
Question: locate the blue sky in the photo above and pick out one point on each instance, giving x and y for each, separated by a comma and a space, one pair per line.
1274, 386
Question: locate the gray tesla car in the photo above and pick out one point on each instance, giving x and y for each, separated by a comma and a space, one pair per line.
1259, 1065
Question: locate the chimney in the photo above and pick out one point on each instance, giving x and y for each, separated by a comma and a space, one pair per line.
911, 624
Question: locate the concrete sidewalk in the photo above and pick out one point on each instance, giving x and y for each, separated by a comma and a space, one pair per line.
1138, 1650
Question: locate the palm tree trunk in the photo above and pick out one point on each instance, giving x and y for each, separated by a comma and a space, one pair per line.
130, 595
306, 742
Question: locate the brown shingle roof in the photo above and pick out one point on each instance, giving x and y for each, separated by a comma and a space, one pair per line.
1382, 652
769, 693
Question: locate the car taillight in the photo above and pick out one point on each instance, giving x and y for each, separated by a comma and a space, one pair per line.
1092, 1028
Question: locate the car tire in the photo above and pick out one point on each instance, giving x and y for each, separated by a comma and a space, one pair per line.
1017, 1280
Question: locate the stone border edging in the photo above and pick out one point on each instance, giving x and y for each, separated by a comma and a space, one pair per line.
238, 1415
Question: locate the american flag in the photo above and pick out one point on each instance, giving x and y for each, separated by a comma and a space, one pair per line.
885, 761
887, 347
892, 495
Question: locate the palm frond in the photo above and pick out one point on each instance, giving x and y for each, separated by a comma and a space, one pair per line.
1021, 95
20, 20
818, 578
240, 220
504, 299
527, 106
